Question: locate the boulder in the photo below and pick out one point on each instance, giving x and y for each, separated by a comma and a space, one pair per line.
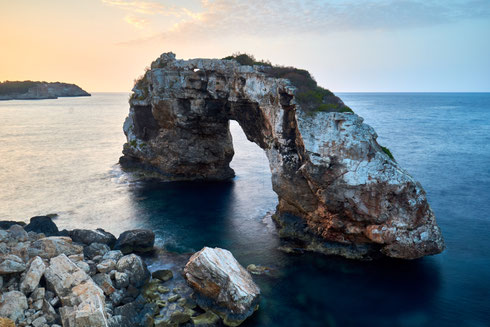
137, 240
135, 268
95, 249
106, 266
88, 236
105, 283
83, 301
12, 305
11, 264
113, 255
163, 274
222, 285
42, 224
53, 246
33, 275
17, 233
340, 192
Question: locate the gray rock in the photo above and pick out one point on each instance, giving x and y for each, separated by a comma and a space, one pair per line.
339, 192
84, 266
113, 255
33, 275
83, 301
138, 240
11, 264
38, 294
17, 233
222, 285
106, 266
136, 269
53, 246
121, 279
13, 305
87, 236
95, 249
49, 312
104, 282
40, 321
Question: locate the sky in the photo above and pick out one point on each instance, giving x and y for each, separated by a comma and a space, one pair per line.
348, 46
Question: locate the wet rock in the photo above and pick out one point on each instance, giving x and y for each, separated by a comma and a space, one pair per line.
135, 268
258, 270
138, 240
11, 264
33, 275
121, 279
6, 224
42, 224
12, 305
163, 274
87, 236
53, 246
222, 285
206, 319
95, 249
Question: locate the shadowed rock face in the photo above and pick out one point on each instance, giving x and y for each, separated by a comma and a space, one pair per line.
339, 193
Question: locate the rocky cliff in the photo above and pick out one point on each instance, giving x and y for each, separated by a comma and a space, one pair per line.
339, 191
28, 90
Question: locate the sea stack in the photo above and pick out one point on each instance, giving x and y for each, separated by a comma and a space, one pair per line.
339, 191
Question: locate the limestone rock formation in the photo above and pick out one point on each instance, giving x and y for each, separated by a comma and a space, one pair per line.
339, 192
222, 284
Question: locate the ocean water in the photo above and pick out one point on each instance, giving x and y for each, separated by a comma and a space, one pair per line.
60, 156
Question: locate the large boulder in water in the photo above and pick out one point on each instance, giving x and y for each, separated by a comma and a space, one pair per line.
136, 240
222, 285
340, 192
42, 224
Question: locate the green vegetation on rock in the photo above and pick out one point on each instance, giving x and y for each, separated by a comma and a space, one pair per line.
14, 87
388, 152
311, 97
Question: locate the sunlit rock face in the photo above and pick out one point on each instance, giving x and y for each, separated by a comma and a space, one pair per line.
339, 193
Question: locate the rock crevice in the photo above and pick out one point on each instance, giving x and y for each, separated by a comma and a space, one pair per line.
339, 192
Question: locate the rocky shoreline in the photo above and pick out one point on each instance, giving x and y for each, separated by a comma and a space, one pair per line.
91, 278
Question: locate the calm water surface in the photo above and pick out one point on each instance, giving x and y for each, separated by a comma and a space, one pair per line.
60, 156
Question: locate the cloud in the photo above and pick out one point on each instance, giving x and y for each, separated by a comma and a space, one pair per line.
271, 18
136, 22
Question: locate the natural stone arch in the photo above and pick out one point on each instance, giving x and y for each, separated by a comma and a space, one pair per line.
339, 193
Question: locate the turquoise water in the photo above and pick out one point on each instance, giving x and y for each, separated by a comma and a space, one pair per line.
60, 156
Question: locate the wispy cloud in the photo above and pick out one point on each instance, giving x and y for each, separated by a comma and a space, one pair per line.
219, 18
136, 22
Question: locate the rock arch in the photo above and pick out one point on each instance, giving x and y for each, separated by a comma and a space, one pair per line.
339, 193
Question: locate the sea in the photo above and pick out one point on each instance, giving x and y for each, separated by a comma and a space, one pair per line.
61, 157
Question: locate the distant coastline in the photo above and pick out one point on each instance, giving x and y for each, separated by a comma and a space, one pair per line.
31, 90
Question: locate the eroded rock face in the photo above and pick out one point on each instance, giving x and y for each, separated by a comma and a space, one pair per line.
222, 284
339, 193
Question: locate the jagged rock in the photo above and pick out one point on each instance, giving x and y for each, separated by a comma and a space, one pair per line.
339, 192
53, 246
135, 268
104, 282
83, 301
33, 275
11, 264
49, 312
12, 305
39, 321
222, 285
95, 249
87, 236
163, 274
42, 224
137, 240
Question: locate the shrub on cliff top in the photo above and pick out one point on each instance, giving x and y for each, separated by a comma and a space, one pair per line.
311, 97
16, 87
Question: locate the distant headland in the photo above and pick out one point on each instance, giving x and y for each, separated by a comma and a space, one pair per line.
29, 90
